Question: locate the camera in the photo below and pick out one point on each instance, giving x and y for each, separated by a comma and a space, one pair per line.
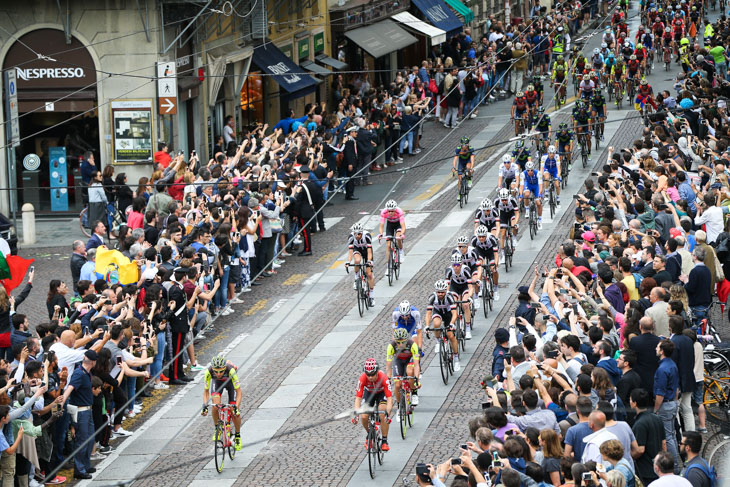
456, 461
587, 477
486, 404
464, 446
552, 354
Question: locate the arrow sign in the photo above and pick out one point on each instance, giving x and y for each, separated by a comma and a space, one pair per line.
168, 106
166, 88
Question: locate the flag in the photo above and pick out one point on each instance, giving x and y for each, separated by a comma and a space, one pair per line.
4, 269
17, 266
112, 265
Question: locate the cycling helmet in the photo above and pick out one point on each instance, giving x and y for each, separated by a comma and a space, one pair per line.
639, 46
586, 77
520, 94
530, 87
669, 8
404, 308
400, 334
604, 45
596, 51
627, 44
563, 126
519, 144
633, 57
391, 205
482, 231
456, 258
441, 286
608, 30
694, 8
371, 366
529, 166
560, 67
540, 109
551, 149
218, 362
503, 193
667, 30
560, 58
464, 140
644, 82
505, 159
660, 10
357, 228
462, 240
486, 204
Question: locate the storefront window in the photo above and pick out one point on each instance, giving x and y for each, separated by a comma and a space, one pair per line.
252, 100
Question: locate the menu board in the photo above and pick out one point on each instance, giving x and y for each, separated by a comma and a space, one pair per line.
132, 131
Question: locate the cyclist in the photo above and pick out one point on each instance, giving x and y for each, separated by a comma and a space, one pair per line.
519, 112
486, 215
609, 38
407, 363
470, 259
632, 68
223, 375
463, 161
537, 84
558, 78
641, 56
599, 111
393, 221
627, 51
441, 313
461, 284
551, 169
581, 123
508, 175
509, 212
408, 317
486, 245
532, 187
586, 87
597, 60
560, 61
608, 68
604, 50
658, 28
564, 140
617, 78
521, 153
533, 101
667, 38
541, 124
644, 95
360, 248
374, 387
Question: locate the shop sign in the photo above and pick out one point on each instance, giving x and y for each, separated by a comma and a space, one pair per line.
318, 40
282, 69
132, 131
59, 179
31, 162
303, 46
287, 50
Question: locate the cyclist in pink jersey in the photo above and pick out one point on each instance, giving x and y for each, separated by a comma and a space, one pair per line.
393, 222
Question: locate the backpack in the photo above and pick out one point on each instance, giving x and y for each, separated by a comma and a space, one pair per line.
637, 279
708, 470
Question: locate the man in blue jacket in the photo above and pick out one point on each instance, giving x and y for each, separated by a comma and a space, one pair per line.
684, 358
602, 350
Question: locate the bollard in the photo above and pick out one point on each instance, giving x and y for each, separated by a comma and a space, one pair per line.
28, 224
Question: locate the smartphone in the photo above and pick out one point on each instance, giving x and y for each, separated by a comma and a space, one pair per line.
509, 432
545, 317
456, 461
119, 360
552, 354
464, 446
31, 269
486, 404
422, 472
534, 305
587, 477
575, 196
159, 258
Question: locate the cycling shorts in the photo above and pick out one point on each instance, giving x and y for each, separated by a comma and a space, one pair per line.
363, 253
505, 217
445, 316
372, 398
563, 147
221, 385
519, 113
391, 228
399, 366
507, 182
535, 190
553, 171
543, 133
458, 288
461, 168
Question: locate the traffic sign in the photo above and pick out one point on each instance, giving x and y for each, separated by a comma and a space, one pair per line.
167, 106
167, 88
11, 88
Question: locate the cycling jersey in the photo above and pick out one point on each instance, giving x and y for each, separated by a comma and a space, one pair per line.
521, 156
640, 54
460, 281
507, 172
405, 351
223, 384
506, 207
542, 123
360, 245
381, 385
645, 90
564, 137
465, 156
580, 115
520, 104
551, 164
633, 66
532, 182
531, 97
488, 219
397, 217
586, 87
598, 60
598, 102
618, 71
411, 323
470, 258
442, 307
485, 249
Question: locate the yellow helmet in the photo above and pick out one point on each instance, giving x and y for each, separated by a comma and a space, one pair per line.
684, 42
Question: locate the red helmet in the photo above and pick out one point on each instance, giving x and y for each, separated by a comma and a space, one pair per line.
371, 366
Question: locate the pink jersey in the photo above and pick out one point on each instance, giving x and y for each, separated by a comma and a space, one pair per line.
397, 217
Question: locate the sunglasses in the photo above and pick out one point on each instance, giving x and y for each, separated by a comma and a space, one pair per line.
400, 342
371, 375
455, 265
219, 371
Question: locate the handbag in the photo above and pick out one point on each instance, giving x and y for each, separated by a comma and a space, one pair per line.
275, 224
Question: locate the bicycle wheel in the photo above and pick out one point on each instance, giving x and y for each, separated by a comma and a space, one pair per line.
508, 257
584, 157
220, 448
372, 449
491, 293
716, 364
366, 293
378, 441
713, 441
84, 222
360, 301
402, 414
507, 250
411, 410
719, 453
552, 202
462, 334
231, 447
597, 136
396, 266
461, 191
390, 268
716, 399
444, 360
485, 294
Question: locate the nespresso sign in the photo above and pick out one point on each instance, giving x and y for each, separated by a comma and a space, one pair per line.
69, 66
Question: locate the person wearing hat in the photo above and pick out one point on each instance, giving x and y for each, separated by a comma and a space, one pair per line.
349, 162
304, 197
500, 353
78, 393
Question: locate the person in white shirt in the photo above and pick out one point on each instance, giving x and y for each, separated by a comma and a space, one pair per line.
229, 133
68, 356
711, 215
597, 423
664, 468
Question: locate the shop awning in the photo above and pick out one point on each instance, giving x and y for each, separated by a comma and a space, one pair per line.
381, 38
409, 20
461, 9
315, 68
439, 15
331, 62
288, 75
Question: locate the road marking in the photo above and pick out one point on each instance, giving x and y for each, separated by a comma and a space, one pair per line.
337, 264
294, 279
429, 192
327, 257
257, 306
312, 279
277, 305
331, 221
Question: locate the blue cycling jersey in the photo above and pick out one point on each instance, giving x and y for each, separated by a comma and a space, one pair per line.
532, 182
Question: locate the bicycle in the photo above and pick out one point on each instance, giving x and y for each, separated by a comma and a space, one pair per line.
464, 188
114, 220
667, 54
583, 148
460, 331
532, 218
375, 440
552, 201
362, 286
560, 95
631, 88
487, 287
618, 94
564, 163
405, 408
716, 398
446, 355
509, 247
393, 259
223, 436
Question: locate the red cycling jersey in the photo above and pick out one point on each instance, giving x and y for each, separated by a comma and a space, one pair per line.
520, 103
381, 384
531, 96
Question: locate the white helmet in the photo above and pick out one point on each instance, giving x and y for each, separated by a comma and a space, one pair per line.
551, 149
486, 204
462, 240
604, 45
503, 193
529, 166
506, 158
441, 285
456, 258
596, 51
405, 308
482, 231
391, 205
357, 228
